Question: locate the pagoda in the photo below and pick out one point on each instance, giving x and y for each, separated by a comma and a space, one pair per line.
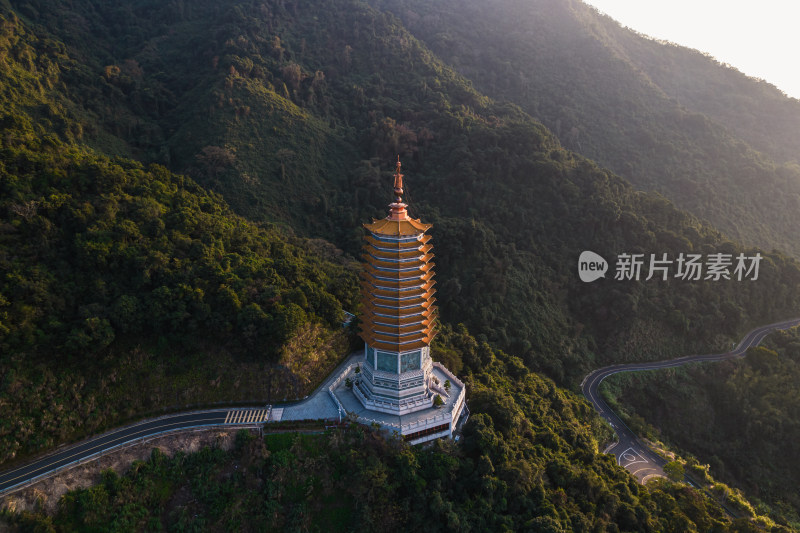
398, 320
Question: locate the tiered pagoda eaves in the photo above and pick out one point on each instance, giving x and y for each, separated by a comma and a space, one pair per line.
398, 282
399, 315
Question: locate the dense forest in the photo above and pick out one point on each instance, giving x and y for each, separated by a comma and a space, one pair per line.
742, 418
290, 112
183, 185
120, 278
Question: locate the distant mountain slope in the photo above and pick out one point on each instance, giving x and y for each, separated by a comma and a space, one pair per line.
753, 110
665, 118
292, 113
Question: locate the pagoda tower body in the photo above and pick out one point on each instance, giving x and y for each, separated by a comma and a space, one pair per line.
399, 315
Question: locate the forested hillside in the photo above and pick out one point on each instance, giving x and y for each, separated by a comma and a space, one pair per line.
291, 113
126, 289
668, 119
129, 286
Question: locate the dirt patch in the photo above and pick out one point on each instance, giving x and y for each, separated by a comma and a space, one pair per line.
45, 494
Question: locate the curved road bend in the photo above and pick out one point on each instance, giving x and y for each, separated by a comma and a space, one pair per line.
631, 452
241, 416
134, 432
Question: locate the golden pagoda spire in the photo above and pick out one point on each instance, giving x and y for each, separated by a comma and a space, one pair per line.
398, 208
398, 181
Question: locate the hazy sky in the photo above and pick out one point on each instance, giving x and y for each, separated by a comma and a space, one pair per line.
759, 37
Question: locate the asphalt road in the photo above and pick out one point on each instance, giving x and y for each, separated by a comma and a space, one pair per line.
242, 416
134, 432
630, 451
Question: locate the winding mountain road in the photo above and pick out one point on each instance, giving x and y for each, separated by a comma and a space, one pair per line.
71, 455
630, 451
317, 405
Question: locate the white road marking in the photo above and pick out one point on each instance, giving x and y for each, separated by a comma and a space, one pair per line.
249, 416
631, 458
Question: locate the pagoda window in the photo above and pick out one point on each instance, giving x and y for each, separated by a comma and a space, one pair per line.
410, 361
370, 355
387, 362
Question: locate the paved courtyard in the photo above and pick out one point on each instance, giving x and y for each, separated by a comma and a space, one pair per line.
319, 404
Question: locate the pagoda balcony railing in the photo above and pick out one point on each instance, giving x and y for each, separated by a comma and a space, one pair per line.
408, 325
387, 269
376, 304
384, 238
409, 278
398, 298
396, 250
398, 343
422, 400
400, 304
424, 423
384, 333
395, 245
417, 336
437, 419
372, 323
335, 384
419, 260
370, 318
452, 377
395, 316
418, 288
397, 259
